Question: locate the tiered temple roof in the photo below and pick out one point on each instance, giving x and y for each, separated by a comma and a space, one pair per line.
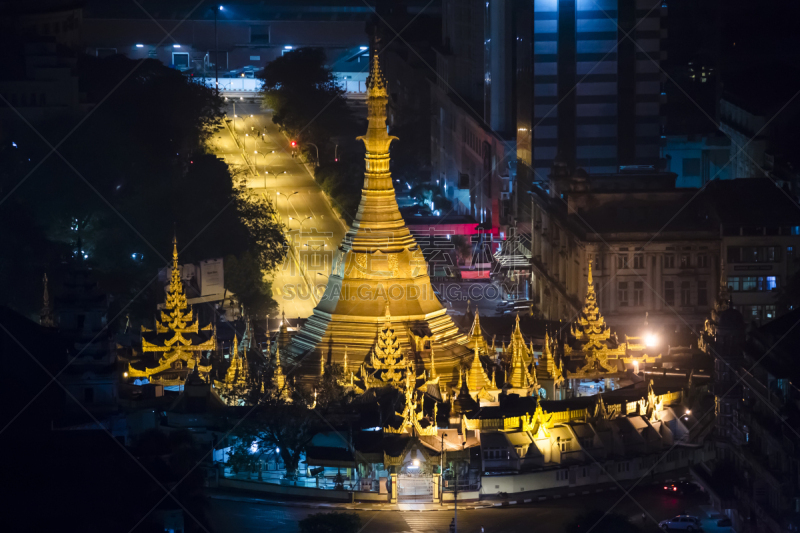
175, 345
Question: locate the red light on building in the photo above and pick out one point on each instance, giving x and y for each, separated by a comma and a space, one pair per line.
294, 144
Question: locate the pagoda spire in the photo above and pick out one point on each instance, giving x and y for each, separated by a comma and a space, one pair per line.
278, 379
477, 378
433, 366
46, 314
476, 335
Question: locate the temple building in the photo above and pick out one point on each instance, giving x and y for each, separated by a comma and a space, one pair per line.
378, 264
593, 353
177, 344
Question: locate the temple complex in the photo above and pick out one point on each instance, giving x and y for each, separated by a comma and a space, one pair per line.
176, 345
378, 264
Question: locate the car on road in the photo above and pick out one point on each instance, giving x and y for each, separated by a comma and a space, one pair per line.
724, 522
681, 489
682, 522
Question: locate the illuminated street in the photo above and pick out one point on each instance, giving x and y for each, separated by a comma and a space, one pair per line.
287, 183
544, 517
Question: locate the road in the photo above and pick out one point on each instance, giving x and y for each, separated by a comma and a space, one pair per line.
545, 517
299, 202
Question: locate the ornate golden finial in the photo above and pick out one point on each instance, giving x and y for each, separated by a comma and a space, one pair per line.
460, 379
433, 365
344, 362
235, 352
174, 252
321, 364
589, 278
376, 82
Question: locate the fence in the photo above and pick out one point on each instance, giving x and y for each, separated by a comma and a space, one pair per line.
326, 483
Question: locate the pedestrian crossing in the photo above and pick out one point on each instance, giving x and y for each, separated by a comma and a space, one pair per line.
428, 522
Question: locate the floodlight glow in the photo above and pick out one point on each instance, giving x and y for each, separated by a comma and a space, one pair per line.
651, 340
287, 47
362, 47
139, 46
176, 46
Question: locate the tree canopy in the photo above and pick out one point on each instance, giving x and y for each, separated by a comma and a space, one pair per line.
304, 97
134, 172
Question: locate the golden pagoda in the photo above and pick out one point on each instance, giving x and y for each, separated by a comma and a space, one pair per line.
518, 376
278, 378
175, 346
594, 349
237, 378
377, 264
593, 336
475, 336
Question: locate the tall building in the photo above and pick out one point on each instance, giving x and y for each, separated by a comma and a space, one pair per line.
589, 86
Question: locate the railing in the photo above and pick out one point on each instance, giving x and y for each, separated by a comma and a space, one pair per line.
470, 485
327, 483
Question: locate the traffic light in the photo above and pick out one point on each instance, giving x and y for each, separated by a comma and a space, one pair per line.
294, 144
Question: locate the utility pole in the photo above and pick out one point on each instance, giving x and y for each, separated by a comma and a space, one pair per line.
216, 50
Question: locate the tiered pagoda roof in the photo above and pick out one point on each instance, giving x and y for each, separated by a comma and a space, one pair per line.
176, 343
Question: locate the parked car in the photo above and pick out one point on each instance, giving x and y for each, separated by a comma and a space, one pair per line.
681, 489
681, 523
724, 522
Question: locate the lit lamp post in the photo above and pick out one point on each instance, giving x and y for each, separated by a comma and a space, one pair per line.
315, 146
441, 472
301, 220
216, 55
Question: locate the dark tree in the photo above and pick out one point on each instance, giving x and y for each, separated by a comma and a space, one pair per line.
278, 423
305, 99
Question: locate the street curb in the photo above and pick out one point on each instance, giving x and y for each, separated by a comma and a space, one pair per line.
339, 506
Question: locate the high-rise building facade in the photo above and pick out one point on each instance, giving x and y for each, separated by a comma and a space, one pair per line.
589, 83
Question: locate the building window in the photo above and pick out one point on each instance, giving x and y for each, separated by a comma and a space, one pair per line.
669, 261
638, 261
691, 166
770, 312
752, 283
702, 261
622, 293
754, 254
598, 262
638, 294
669, 292
686, 293
772, 283
686, 260
789, 254
702, 293
622, 261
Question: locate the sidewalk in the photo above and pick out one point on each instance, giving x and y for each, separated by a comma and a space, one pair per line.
365, 506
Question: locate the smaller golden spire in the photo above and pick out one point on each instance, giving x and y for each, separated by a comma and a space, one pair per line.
433, 365
344, 362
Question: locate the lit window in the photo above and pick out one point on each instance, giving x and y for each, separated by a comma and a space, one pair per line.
772, 283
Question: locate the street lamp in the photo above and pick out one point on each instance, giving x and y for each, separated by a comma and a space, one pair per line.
315, 146
301, 221
216, 54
